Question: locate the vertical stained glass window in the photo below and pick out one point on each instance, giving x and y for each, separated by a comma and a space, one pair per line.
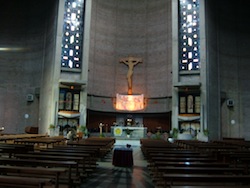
72, 34
189, 37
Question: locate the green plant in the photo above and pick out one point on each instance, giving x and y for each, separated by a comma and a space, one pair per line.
205, 132
101, 135
158, 135
51, 126
175, 133
128, 131
82, 128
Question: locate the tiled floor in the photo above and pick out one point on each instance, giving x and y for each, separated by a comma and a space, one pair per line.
109, 176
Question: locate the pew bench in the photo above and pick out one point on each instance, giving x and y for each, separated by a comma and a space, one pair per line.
205, 179
103, 146
38, 141
195, 170
12, 149
24, 182
91, 157
69, 165
83, 163
209, 186
160, 167
34, 172
95, 150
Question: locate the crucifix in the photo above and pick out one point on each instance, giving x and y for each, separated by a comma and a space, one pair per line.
130, 62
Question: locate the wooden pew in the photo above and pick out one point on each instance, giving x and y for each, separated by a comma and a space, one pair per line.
149, 144
104, 144
200, 170
91, 156
207, 179
84, 161
209, 186
23, 171
183, 159
11, 137
47, 141
163, 170
69, 165
174, 168
177, 159
178, 155
164, 166
11, 149
93, 151
24, 182
192, 164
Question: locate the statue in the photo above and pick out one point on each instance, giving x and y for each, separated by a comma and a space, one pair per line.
130, 62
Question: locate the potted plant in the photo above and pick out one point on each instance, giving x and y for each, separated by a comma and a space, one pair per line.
82, 131
205, 132
52, 128
158, 135
128, 132
175, 133
101, 135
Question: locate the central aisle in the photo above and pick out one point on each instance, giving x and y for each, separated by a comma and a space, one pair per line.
108, 176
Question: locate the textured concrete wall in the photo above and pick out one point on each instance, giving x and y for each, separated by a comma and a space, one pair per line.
230, 50
23, 26
213, 80
50, 69
130, 28
234, 40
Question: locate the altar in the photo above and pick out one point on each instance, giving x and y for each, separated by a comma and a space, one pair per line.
120, 132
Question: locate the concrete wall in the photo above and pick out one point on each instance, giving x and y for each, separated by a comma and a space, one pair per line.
50, 69
229, 54
22, 36
213, 81
130, 28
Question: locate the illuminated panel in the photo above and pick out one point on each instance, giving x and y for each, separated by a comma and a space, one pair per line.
129, 102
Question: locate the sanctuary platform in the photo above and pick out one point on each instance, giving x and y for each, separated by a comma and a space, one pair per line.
124, 142
128, 135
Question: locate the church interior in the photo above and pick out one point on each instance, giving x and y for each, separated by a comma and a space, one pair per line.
138, 81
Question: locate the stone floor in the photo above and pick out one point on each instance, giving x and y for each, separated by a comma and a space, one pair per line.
109, 176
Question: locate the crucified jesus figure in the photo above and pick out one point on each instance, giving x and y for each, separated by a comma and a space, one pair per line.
130, 62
